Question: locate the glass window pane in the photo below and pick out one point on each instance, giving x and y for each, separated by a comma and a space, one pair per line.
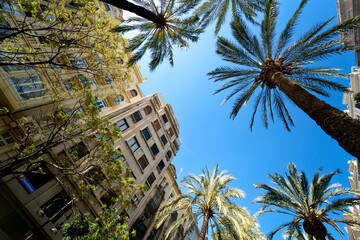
154, 149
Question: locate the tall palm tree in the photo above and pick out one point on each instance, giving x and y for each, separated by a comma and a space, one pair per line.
216, 10
273, 70
160, 37
208, 197
309, 205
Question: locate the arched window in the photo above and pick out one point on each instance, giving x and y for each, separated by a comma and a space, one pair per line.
148, 110
133, 93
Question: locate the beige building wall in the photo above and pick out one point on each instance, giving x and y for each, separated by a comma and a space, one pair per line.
353, 110
347, 9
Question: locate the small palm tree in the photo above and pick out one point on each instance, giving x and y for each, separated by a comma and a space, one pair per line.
208, 197
277, 70
160, 37
309, 205
236, 230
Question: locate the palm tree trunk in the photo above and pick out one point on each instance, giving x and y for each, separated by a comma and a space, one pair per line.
315, 228
204, 227
136, 9
340, 126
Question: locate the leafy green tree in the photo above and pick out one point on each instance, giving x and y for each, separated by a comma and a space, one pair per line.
310, 205
208, 197
73, 46
273, 70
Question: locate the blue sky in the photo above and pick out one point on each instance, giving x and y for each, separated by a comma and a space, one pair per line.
210, 137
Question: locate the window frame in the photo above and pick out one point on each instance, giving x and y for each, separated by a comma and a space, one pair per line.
163, 139
164, 118
148, 135
101, 104
5, 140
152, 151
146, 162
133, 144
152, 182
125, 123
137, 118
163, 165
25, 88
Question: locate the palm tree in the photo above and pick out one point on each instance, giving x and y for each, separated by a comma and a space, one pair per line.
208, 197
159, 37
216, 10
236, 230
308, 205
272, 70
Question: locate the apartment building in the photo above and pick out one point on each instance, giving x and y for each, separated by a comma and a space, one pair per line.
353, 109
354, 180
35, 206
347, 9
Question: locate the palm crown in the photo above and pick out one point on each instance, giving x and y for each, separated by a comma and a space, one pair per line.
255, 56
216, 10
159, 38
308, 204
209, 197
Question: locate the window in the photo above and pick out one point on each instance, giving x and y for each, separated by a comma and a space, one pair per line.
33, 180
161, 165
140, 223
164, 117
118, 99
79, 150
143, 162
156, 125
107, 198
122, 124
146, 133
29, 87
117, 155
130, 174
148, 110
5, 139
133, 93
11, 8
154, 149
77, 62
135, 200
151, 179
94, 176
168, 154
76, 4
107, 7
133, 143
163, 140
86, 81
137, 116
56, 206
171, 132
100, 104
106, 136
67, 85
108, 79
